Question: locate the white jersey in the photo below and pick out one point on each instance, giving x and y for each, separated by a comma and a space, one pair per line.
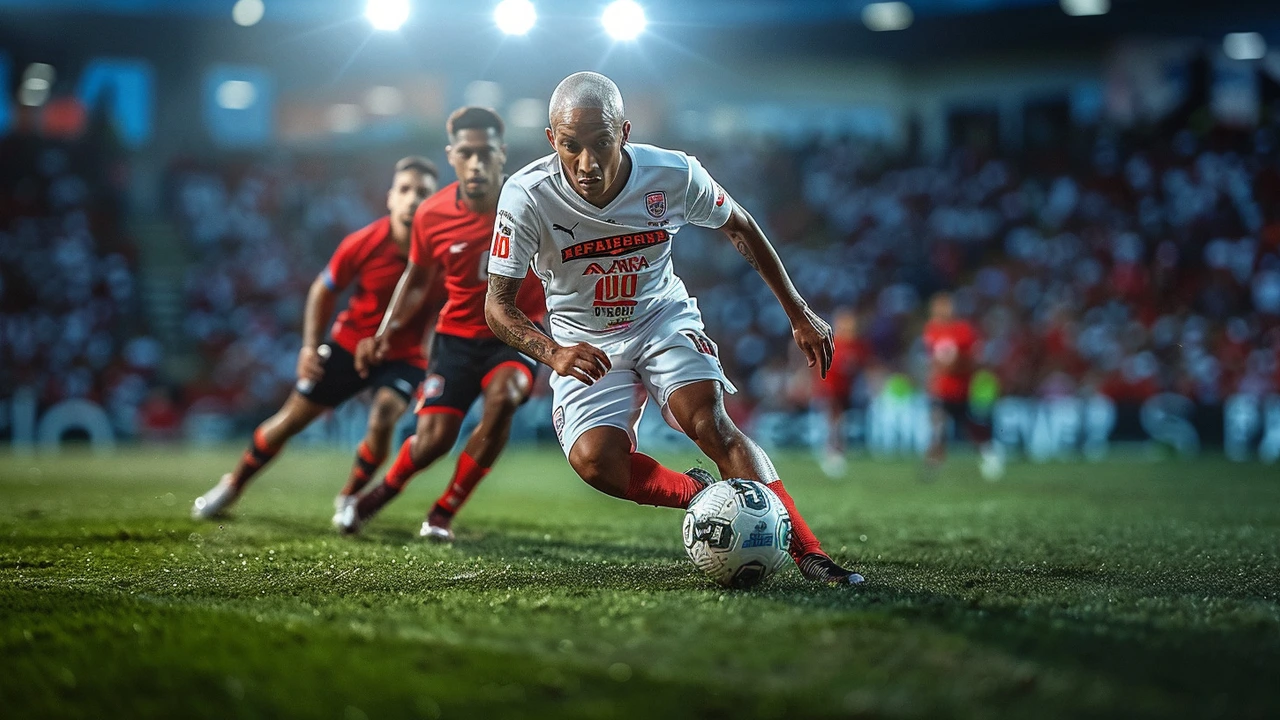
606, 271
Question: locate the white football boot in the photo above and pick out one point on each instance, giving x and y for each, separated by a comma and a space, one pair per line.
216, 501
991, 462
435, 533
344, 508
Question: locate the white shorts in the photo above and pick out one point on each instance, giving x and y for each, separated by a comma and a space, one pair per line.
668, 352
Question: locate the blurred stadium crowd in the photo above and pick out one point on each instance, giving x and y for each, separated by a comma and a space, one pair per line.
1146, 263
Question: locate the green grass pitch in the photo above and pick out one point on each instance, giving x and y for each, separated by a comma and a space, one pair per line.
1121, 589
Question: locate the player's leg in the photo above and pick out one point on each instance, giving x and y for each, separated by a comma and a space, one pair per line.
451, 386
698, 408
833, 410
596, 425
387, 407
990, 455
937, 451
505, 388
435, 435
268, 439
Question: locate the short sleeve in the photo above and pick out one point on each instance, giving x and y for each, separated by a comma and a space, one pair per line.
420, 239
343, 266
515, 234
707, 204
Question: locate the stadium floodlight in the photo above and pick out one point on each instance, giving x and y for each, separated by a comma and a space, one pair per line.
887, 16
515, 17
387, 14
1244, 46
1081, 8
246, 13
623, 20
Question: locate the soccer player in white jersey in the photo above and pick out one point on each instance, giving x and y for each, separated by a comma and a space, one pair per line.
595, 220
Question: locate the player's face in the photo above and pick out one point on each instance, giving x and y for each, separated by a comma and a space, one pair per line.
590, 149
408, 189
477, 156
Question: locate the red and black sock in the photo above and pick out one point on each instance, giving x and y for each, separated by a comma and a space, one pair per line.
363, 469
803, 541
258, 454
466, 476
402, 468
653, 484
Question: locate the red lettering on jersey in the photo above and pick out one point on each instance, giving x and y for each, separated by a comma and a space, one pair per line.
622, 265
613, 246
616, 290
502, 242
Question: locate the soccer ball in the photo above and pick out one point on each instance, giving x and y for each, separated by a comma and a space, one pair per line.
737, 532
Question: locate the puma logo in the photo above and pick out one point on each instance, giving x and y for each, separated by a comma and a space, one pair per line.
566, 230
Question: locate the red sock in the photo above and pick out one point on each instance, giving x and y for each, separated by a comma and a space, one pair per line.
803, 541
466, 476
653, 484
402, 468
255, 457
362, 469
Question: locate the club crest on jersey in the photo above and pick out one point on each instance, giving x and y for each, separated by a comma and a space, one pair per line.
719, 195
656, 203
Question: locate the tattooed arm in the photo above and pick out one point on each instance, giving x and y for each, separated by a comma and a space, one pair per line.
582, 361
810, 331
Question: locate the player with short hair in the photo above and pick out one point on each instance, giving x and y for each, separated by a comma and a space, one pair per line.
595, 221
451, 234
373, 258
952, 344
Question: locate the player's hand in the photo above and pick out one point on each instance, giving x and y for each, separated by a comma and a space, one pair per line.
813, 336
582, 361
310, 365
370, 351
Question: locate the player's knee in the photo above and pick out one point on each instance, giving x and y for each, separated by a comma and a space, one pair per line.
716, 435
503, 400
600, 469
383, 415
429, 443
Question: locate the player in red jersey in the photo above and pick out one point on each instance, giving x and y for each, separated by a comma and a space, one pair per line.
373, 258
834, 394
952, 344
451, 234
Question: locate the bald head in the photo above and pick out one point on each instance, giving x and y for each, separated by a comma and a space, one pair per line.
586, 91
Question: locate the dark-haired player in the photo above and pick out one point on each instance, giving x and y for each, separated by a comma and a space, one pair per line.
952, 344
373, 258
451, 233
596, 220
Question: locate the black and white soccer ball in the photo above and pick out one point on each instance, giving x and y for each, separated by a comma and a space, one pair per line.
737, 532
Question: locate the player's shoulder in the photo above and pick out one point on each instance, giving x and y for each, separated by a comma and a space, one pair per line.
374, 232
652, 157
533, 175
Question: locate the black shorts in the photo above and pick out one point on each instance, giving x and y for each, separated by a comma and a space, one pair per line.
976, 425
461, 369
341, 381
